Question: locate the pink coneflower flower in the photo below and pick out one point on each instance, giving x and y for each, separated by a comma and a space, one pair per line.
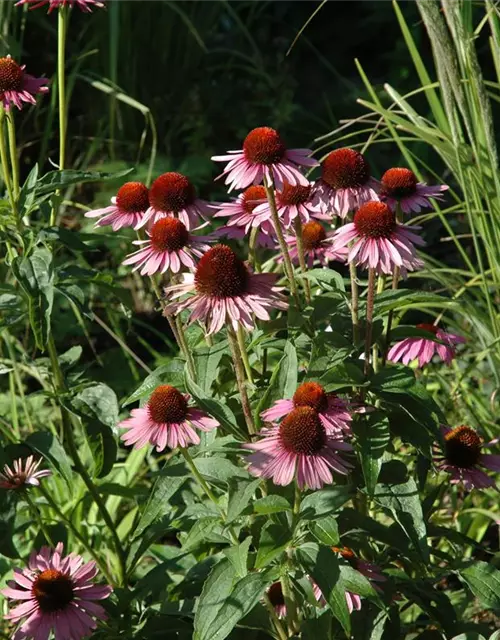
23, 472
57, 595
237, 233
17, 86
345, 182
300, 446
166, 421
332, 410
317, 246
173, 195
265, 157
128, 208
293, 201
379, 242
400, 185
170, 246
243, 214
462, 456
84, 5
225, 290
424, 348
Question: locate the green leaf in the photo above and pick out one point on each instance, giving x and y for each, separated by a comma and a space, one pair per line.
240, 493
283, 382
238, 556
372, 437
273, 541
205, 530
325, 276
323, 567
402, 299
322, 503
54, 180
102, 445
271, 504
35, 276
356, 582
207, 360
47, 444
224, 601
483, 580
171, 480
325, 530
27, 195
97, 402
403, 502
219, 470
172, 372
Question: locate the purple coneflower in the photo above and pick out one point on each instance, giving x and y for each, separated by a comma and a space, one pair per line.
277, 599
84, 5
293, 201
379, 242
462, 457
17, 86
424, 348
265, 157
332, 410
400, 185
317, 246
243, 215
128, 208
169, 246
23, 472
173, 195
225, 290
345, 183
166, 420
57, 594
300, 447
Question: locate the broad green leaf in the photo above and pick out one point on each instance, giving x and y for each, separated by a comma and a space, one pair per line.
325, 530
483, 579
219, 470
27, 195
207, 360
54, 180
239, 495
97, 402
171, 373
357, 583
402, 299
323, 567
47, 444
238, 556
372, 437
322, 503
205, 530
271, 504
325, 276
102, 445
274, 539
403, 502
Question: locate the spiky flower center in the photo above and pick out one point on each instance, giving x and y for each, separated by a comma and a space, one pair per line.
313, 235
462, 447
275, 594
426, 326
302, 432
252, 197
171, 192
53, 590
398, 183
167, 405
344, 168
375, 220
132, 197
169, 234
11, 75
310, 394
221, 274
264, 146
345, 552
294, 194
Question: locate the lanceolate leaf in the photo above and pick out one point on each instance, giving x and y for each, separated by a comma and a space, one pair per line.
483, 579
372, 437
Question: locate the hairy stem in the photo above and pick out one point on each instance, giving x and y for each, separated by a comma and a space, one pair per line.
244, 355
282, 634
11, 128
354, 303
395, 284
6, 168
240, 378
38, 517
369, 317
290, 603
302, 257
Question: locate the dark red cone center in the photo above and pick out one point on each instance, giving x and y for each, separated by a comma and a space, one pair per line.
53, 590
275, 594
426, 326
302, 432
313, 235
252, 197
294, 194
171, 192
132, 197
11, 75
167, 405
398, 183
375, 220
344, 168
310, 394
264, 146
221, 274
169, 234
462, 447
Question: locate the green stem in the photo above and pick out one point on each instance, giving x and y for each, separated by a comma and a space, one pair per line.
369, 317
18, 381
38, 517
13, 400
282, 634
281, 240
302, 257
66, 417
5, 166
244, 355
252, 249
60, 514
240, 378
290, 603
354, 303
62, 24
11, 128
390, 317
